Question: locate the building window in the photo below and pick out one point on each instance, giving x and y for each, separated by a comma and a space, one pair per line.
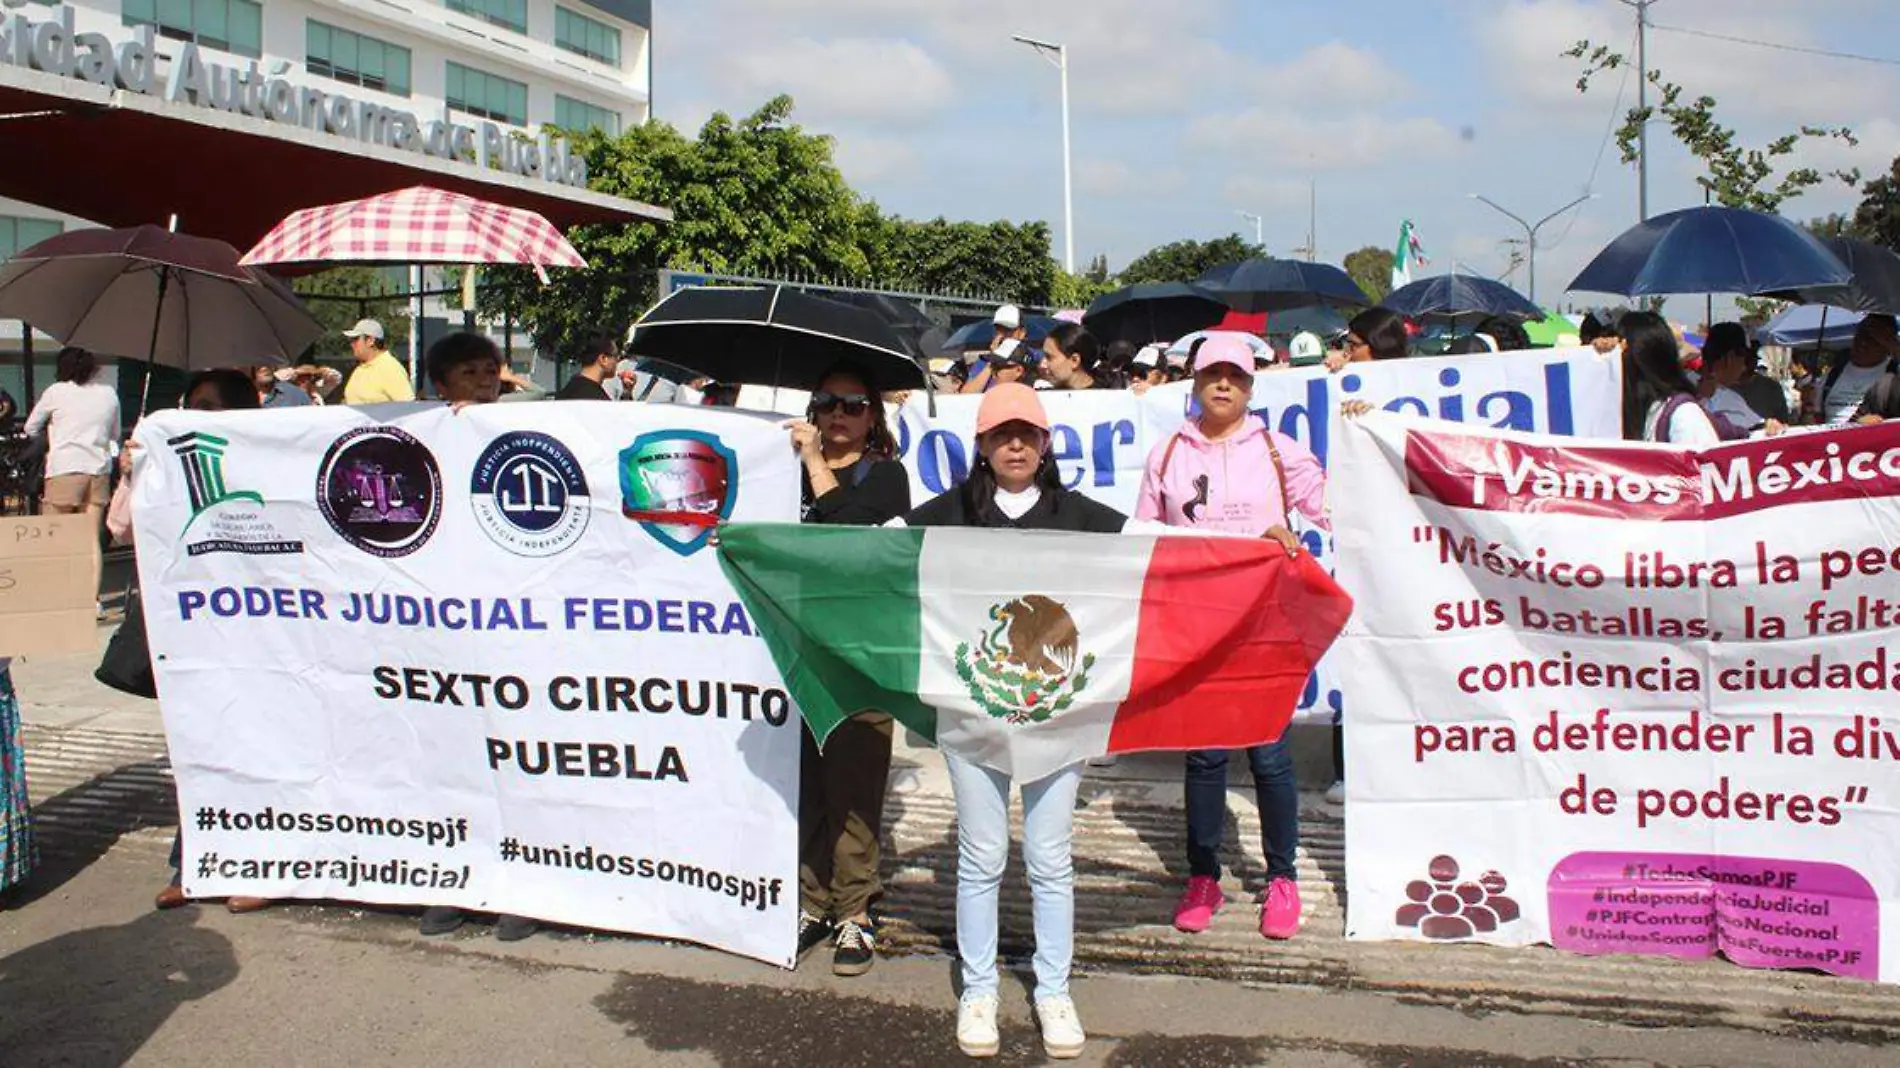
18, 232
510, 13
235, 26
486, 95
578, 115
356, 59
588, 37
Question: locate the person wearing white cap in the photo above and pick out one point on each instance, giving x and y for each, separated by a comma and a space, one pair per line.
1006, 350
378, 377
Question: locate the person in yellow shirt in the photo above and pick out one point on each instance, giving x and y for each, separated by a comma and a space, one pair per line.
379, 377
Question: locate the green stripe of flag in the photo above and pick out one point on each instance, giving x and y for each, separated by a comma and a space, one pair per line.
838, 608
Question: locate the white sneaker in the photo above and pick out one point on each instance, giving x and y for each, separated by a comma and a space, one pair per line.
976, 1026
1062, 1036
1336, 793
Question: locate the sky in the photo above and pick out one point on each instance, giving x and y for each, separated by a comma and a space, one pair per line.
1186, 113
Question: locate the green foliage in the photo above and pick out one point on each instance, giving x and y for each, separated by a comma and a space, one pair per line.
1734, 175
1184, 261
1008, 261
1371, 267
372, 286
1079, 290
1878, 217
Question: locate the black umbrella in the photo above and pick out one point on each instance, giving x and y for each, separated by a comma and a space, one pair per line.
771, 336
1156, 311
1449, 297
912, 325
1712, 250
146, 293
1265, 285
1876, 283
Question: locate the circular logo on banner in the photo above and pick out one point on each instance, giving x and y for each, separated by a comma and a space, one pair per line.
380, 489
529, 494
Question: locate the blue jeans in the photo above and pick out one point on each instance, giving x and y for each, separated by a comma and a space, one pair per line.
1275, 790
983, 850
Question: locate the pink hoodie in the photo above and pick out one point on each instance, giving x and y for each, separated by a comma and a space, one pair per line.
1230, 485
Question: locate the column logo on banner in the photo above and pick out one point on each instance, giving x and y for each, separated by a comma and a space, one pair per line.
529, 494
237, 523
381, 491
678, 485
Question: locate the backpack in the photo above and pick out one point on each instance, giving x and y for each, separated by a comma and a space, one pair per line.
1279, 469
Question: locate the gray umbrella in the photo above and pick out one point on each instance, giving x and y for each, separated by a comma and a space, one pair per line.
146, 293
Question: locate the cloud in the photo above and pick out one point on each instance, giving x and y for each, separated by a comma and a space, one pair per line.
1115, 179
845, 78
1354, 142
865, 159
1334, 75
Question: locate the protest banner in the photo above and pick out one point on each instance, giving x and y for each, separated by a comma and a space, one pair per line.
1101, 438
49, 584
482, 658
1623, 698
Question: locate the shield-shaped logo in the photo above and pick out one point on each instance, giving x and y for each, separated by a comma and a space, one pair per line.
678, 485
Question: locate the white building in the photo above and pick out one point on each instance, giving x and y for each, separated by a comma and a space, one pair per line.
460, 65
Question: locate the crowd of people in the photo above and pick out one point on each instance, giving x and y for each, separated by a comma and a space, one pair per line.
1223, 473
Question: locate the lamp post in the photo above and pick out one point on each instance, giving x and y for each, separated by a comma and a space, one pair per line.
1059, 55
1530, 231
1259, 222
1642, 103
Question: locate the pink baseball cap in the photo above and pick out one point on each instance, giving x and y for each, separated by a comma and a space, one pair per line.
1011, 402
1219, 350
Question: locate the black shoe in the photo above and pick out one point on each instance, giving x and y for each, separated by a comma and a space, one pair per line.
812, 931
515, 928
440, 920
854, 953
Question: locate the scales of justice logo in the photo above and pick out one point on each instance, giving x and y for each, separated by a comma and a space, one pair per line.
380, 490
1028, 665
529, 494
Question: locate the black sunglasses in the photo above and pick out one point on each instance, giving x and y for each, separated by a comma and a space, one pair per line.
852, 403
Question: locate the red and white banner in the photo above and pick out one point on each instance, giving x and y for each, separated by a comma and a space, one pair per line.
1624, 698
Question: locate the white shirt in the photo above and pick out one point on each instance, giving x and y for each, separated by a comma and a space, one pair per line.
1689, 426
1840, 403
82, 423
1735, 408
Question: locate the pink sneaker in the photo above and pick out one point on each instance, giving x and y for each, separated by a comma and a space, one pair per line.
1280, 911
1198, 904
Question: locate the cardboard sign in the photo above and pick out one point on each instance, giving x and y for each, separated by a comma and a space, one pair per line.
49, 584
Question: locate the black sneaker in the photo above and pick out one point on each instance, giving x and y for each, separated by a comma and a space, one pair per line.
441, 919
855, 950
515, 928
812, 931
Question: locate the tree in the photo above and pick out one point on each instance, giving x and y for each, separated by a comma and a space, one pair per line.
1735, 175
1878, 217
1079, 290
1098, 269
756, 196
1006, 261
1371, 267
1184, 261
1831, 225
338, 297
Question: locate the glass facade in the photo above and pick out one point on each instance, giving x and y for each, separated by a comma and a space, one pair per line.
356, 59
17, 232
510, 13
487, 95
235, 26
571, 114
588, 37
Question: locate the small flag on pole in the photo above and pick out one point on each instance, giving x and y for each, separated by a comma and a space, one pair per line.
1410, 254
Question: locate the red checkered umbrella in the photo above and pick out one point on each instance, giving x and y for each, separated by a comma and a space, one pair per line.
416, 225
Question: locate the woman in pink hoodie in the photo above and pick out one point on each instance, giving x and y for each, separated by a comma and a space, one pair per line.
1226, 472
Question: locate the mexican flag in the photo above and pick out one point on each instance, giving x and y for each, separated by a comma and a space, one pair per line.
1029, 651
1409, 254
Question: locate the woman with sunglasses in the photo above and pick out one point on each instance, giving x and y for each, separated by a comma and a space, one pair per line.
1015, 486
851, 476
1373, 334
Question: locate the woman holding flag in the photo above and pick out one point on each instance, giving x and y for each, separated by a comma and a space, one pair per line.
1226, 472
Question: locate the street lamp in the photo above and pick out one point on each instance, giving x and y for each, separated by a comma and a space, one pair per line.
1259, 222
1059, 55
1530, 231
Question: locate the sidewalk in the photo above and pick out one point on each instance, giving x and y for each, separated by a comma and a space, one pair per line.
95, 765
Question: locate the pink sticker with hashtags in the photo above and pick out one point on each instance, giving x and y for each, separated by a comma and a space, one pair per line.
1760, 913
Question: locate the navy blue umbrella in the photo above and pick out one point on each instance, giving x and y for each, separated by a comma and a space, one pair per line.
1449, 297
1264, 285
1154, 311
977, 335
1876, 284
1712, 250
1317, 320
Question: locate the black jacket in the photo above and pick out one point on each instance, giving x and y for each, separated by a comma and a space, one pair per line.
1060, 510
870, 493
